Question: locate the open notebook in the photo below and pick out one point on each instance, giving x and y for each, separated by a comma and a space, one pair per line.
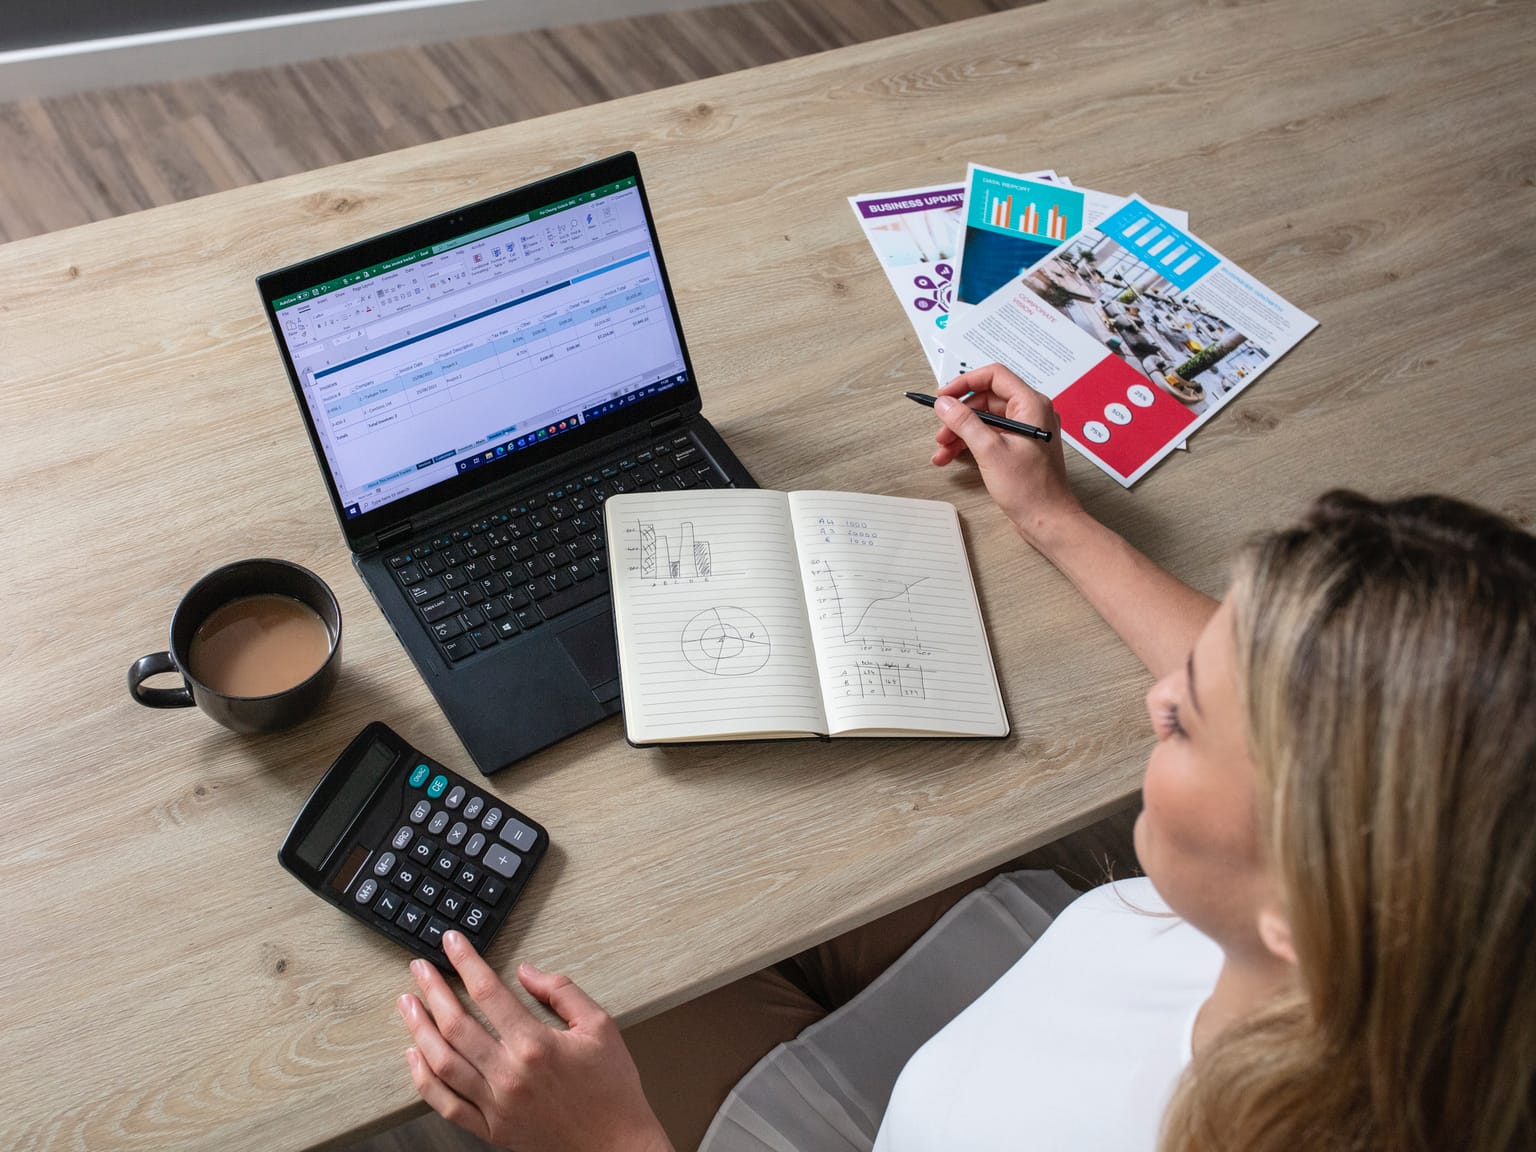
749, 615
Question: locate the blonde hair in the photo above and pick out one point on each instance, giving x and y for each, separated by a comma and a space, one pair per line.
1386, 654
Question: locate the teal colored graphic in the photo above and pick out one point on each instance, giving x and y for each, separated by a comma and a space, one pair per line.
1013, 205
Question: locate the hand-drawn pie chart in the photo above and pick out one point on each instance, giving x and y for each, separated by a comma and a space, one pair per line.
726, 641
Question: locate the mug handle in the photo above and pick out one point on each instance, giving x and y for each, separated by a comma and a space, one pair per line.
152, 665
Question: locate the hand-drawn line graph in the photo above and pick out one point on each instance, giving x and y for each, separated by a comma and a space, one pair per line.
873, 613
874, 679
658, 561
726, 641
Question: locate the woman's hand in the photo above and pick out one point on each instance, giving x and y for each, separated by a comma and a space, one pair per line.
1027, 478
534, 1088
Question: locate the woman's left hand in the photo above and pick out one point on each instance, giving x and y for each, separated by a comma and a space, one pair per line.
533, 1088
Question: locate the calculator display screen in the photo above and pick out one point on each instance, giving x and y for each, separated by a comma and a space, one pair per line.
346, 804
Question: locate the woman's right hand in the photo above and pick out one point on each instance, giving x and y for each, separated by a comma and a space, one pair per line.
1026, 477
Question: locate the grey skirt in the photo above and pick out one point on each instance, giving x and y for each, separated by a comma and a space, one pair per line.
826, 1090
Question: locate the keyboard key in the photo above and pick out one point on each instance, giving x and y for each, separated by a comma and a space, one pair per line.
528, 618
518, 834
453, 555
400, 560
474, 844
423, 851
403, 838
437, 787
428, 590
420, 812
455, 796
492, 819
439, 822
502, 861
492, 889
493, 609
433, 932
468, 877
410, 574
429, 889
517, 598
432, 566
421, 551
411, 917
475, 917
459, 647
446, 864
493, 586
448, 628
507, 628
453, 578
407, 875
388, 904
383, 864
685, 456
582, 593
442, 606
452, 904
473, 809
470, 595
484, 636
366, 890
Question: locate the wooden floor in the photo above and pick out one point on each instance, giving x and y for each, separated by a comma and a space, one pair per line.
75, 159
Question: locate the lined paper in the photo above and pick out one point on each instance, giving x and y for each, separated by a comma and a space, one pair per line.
898, 635
709, 616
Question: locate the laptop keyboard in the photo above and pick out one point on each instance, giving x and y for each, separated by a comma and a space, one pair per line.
499, 575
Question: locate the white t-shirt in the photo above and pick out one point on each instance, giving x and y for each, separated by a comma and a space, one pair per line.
1076, 1048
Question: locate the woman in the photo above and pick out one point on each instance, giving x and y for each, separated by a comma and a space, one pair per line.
1342, 798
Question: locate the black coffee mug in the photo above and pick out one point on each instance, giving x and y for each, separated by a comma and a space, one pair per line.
219, 587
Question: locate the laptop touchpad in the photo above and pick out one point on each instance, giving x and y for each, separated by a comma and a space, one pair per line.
591, 648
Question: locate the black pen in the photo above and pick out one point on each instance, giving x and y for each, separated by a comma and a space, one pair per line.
1002, 422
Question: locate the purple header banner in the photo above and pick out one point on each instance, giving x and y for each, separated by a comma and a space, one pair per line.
903, 203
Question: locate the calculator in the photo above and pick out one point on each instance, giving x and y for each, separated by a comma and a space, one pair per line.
411, 849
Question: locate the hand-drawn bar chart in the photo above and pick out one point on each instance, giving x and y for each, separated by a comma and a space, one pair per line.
675, 556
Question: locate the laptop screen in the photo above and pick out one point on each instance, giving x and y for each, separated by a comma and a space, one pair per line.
445, 359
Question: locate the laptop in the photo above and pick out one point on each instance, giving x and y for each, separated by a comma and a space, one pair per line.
475, 386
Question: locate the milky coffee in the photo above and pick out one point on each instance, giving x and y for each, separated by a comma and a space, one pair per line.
259, 645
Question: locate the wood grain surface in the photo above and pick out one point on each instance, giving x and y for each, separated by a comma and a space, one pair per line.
166, 985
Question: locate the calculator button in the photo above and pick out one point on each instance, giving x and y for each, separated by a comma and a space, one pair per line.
433, 932
472, 809
492, 818
468, 877
419, 775
383, 864
429, 890
439, 822
476, 842
407, 875
388, 903
423, 850
456, 834
411, 916
491, 890
519, 835
501, 861
446, 864
366, 890
438, 786
402, 838
475, 918
420, 812
455, 797
452, 903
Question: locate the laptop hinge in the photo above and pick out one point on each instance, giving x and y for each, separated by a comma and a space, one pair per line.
671, 419
393, 534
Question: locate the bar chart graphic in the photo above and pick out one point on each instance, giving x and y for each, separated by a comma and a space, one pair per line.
673, 556
1028, 219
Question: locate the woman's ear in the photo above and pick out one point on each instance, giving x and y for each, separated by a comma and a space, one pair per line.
1275, 931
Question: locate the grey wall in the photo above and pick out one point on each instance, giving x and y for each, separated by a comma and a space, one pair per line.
34, 23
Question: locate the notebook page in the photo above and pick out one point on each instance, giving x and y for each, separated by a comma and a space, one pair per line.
709, 615
899, 639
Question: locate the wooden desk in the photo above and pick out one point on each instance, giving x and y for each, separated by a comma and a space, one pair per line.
166, 985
